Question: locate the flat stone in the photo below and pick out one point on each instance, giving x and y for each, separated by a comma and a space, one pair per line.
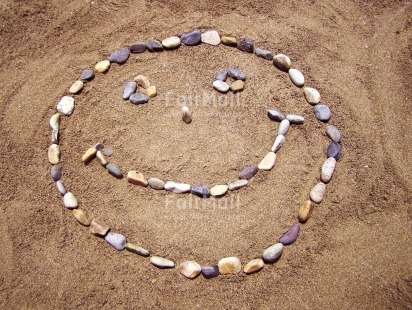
210, 271
69, 201
273, 253
221, 86
56, 173
267, 162
161, 262
236, 74
284, 127
210, 37
131, 247
138, 98
61, 188
328, 168
333, 133
312, 95
218, 190
55, 121
276, 115
237, 184
279, 141
156, 183
291, 235
295, 119
101, 159
178, 188
222, 76
116, 240
87, 75
81, 217
120, 57
246, 45
265, 54
142, 80
229, 265
189, 269
248, 172
98, 229
129, 89
322, 112
55, 136
151, 91
89, 154
201, 191
154, 46
186, 115
76, 87
54, 154
102, 66
66, 105
230, 41
296, 77
253, 266
138, 47
237, 86
171, 42
317, 192
334, 150
191, 38
108, 152
136, 178
305, 211
114, 171
282, 62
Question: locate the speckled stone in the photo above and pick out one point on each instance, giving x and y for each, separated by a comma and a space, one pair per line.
172, 42
279, 141
322, 112
312, 95
156, 183
98, 229
291, 235
210, 271
114, 171
201, 191
116, 240
161, 262
305, 211
296, 77
54, 154
328, 168
295, 119
131, 247
138, 98
284, 127
120, 57
333, 133
334, 150
282, 62
229, 265
267, 162
230, 41
178, 188
221, 86
129, 89
317, 192
189, 269
138, 47
81, 217
222, 76
248, 172
69, 201
236, 74
154, 46
191, 38
273, 253
246, 45
87, 75
142, 80
237, 184
102, 66
76, 87
60, 187
265, 54
56, 173
211, 37
276, 115
66, 105
253, 266
136, 178
238, 85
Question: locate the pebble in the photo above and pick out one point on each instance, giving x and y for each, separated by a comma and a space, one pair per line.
60, 187
246, 45
138, 47
87, 75
56, 173
138, 98
295, 119
317, 192
267, 162
55, 136
186, 115
237, 86
89, 154
108, 152
237, 184
54, 154
322, 112
151, 91
98, 229
66, 105
81, 217
116, 240
248, 172
265, 54
273, 252
279, 141
334, 150
131, 247
211, 37
114, 171
171, 42
69, 201
120, 57
305, 211
55, 121
129, 89
161, 262
282, 62
76, 87
253, 266
229, 265
191, 38
201, 191
236, 74
283, 127
222, 76
296, 77
291, 235
99, 146
154, 46
178, 188
230, 41
102, 66
333, 133
221, 86
156, 183
136, 178
218, 190
189, 269
328, 168
210, 271
276, 115
312, 95
142, 80
101, 159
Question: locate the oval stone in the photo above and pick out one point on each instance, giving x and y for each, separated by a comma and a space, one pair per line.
210, 37
98, 229
69, 201
237, 86
154, 46
334, 150
283, 127
55, 121
114, 170
76, 87
66, 105
151, 91
87, 75
56, 173
55, 136
102, 66
156, 183
248, 172
296, 77
221, 86
186, 115
54, 154
138, 47
218, 190
265, 54
267, 162
333, 133
229, 265
60, 187
279, 141
120, 57
201, 191
312, 95
89, 154
138, 98
189, 269
81, 217
136, 178
118, 241
129, 89
305, 211
142, 80
101, 159
282, 62
322, 112
317, 192
328, 168
210, 271
222, 76
230, 41
191, 38
273, 252
236, 74
237, 184
178, 188
131, 247
253, 266
291, 235
276, 115
171, 42
246, 45
295, 119
161, 262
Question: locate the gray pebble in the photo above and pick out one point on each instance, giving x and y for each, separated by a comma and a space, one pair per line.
138, 47
108, 152
333, 133
56, 172
265, 54
156, 183
222, 76
282, 62
129, 89
114, 171
99, 146
290, 236
210, 271
334, 150
295, 119
279, 141
120, 57
116, 240
273, 252
55, 135
87, 75
248, 172
201, 191
191, 38
283, 127
246, 45
60, 187
237, 184
276, 115
221, 86
154, 46
236, 74
138, 98
322, 112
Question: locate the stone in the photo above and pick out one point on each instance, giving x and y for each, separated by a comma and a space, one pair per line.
322, 112
312, 95
171, 42
138, 98
76, 87
248, 172
154, 46
276, 115
230, 41
99, 146
87, 75
273, 253
236, 74
265, 54
131, 247
56, 173
178, 188
55, 136
81, 217
151, 91
317, 192
305, 211
114, 171
136, 178
98, 229
295, 119
191, 38
221, 76
283, 127
89, 154
66, 105
246, 45
161, 262
129, 89
218, 190
210, 37
333, 133
101, 159
120, 57
279, 141
291, 235
229, 265
328, 168
186, 115
296, 77
237, 184
54, 154
69, 201
156, 183
189, 269
138, 47
254, 266
221, 86
237, 86
102, 66
334, 150
55, 121
267, 162
210, 271
60, 187
201, 191
142, 80
108, 152
282, 62
118, 241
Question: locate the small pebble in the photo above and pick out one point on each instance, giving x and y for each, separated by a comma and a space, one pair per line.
98, 229
131, 247
114, 171
76, 87
136, 178
246, 45
156, 183
230, 41
265, 54
191, 38
69, 201
81, 217
253, 266
56, 173
178, 188
161, 262
222, 76
279, 141
201, 191
102, 66
334, 150
54, 154
101, 159
221, 86
116, 240
295, 119
138, 47
87, 75
282, 62
60, 187
108, 152
276, 115
186, 115
312, 95
142, 80
229, 265
291, 235
55, 121
210, 271
283, 127
55, 136
305, 211
154, 46
218, 190
129, 89
66, 105
236, 74
99, 146
237, 86
296, 77
322, 112
273, 252
151, 91
138, 98
189, 269
237, 184
171, 42
248, 172
89, 154
317, 192
211, 37
328, 168
333, 133
120, 57
267, 162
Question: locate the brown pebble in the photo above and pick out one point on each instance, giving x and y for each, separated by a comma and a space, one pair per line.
305, 211
98, 229
253, 266
89, 155
54, 154
143, 81
136, 178
231, 41
81, 217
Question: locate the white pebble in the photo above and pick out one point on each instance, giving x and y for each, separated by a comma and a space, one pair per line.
211, 37
177, 188
66, 105
312, 95
70, 202
297, 77
279, 141
221, 86
116, 240
317, 192
327, 169
283, 127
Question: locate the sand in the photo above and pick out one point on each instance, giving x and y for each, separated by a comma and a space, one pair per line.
354, 253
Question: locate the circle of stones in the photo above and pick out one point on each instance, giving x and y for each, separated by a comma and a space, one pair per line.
228, 265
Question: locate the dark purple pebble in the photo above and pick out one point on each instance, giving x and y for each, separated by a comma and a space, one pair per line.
129, 89
99, 146
138, 47
210, 271
191, 38
201, 191
138, 98
290, 236
221, 76
248, 172
56, 173
334, 150
114, 171
120, 57
236, 74
87, 75
246, 45
154, 46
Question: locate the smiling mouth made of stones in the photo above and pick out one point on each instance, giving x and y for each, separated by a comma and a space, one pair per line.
227, 265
